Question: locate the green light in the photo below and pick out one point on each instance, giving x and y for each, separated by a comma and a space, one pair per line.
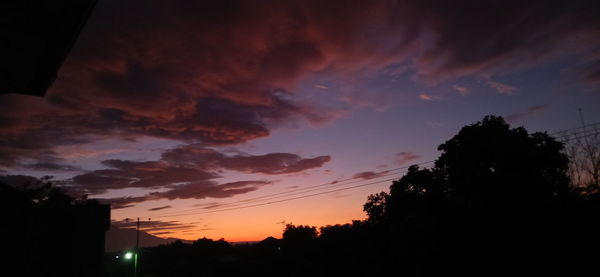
128, 255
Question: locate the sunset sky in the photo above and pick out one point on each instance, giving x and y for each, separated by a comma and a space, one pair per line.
223, 118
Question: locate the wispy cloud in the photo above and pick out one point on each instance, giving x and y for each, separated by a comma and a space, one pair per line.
403, 158
367, 175
463, 90
426, 97
500, 87
514, 117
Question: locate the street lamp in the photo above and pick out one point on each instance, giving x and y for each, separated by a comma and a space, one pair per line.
134, 256
128, 256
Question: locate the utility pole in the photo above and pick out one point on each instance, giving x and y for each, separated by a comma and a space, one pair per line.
137, 249
580, 110
584, 133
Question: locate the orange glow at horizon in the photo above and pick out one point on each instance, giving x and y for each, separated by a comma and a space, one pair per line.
256, 223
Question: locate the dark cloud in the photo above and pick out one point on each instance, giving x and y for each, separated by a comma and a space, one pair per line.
272, 163
130, 174
514, 117
593, 76
20, 181
160, 208
226, 72
209, 205
193, 155
212, 121
186, 172
209, 189
162, 233
197, 190
366, 175
476, 36
403, 158
153, 226
51, 166
123, 202
591, 72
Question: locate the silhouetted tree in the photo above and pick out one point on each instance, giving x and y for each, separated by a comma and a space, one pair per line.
492, 189
376, 207
299, 239
299, 234
488, 160
46, 232
486, 164
583, 149
209, 243
36, 192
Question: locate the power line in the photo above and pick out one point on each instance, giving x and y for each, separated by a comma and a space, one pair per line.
243, 204
583, 136
298, 191
283, 200
565, 131
577, 134
281, 195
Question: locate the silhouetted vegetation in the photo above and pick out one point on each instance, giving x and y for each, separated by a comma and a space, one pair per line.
496, 198
583, 148
497, 201
48, 233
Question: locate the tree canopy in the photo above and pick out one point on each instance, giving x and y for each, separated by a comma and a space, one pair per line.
493, 190
487, 165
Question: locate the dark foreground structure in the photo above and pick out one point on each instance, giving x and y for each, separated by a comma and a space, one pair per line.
37, 35
45, 233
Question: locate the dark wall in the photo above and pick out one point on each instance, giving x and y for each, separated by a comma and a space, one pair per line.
54, 240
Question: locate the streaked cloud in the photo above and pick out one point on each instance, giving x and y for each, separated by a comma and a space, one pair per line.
272, 163
367, 175
160, 208
426, 97
153, 226
514, 117
403, 158
500, 87
186, 172
463, 90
